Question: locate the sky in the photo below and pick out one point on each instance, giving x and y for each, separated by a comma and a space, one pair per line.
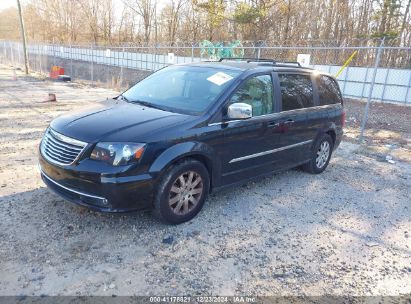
7, 3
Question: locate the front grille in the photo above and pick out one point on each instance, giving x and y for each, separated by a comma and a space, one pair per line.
60, 149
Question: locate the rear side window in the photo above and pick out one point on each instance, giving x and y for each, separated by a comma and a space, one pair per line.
328, 91
296, 91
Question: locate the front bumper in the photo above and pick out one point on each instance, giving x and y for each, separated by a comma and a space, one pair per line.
95, 190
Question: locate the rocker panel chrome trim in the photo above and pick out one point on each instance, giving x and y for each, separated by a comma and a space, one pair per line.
269, 151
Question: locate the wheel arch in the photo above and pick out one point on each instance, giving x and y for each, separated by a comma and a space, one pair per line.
176, 153
332, 134
329, 130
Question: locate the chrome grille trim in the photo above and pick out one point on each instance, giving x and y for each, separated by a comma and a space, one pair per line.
60, 149
65, 148
103, 199
67, 139
55, 155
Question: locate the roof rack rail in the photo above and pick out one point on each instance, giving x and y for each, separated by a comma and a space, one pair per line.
289, 62
264, 60
248, 59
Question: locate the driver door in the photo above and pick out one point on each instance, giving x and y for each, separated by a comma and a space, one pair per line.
248, 143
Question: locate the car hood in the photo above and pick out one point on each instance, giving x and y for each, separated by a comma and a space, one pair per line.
115, 121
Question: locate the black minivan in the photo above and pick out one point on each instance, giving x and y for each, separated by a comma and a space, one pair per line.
189, 129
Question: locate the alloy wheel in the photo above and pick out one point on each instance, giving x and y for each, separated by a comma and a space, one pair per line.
185, 193
323, 154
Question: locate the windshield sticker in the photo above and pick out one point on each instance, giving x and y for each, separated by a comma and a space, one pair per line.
219, 78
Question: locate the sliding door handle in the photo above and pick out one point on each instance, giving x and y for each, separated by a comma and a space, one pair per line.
277, 124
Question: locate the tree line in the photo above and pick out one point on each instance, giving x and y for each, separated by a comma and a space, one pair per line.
171, 22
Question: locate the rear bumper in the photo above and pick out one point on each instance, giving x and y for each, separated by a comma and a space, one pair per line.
338, 139
97, 192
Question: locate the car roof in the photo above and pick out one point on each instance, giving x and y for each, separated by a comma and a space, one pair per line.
260, 66
244, 65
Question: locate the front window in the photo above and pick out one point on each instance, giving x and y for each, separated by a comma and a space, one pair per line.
258, 92
181, 89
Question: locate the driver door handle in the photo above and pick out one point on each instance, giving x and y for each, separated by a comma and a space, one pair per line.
277, 124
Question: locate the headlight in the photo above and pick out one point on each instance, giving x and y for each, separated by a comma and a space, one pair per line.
118, 154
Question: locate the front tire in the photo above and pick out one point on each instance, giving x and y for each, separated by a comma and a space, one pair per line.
181, 192
321, 155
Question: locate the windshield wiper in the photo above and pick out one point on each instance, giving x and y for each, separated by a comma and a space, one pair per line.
123, 97
147, 104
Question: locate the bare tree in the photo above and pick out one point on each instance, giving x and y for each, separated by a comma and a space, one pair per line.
336, 22
146, 10
170, 15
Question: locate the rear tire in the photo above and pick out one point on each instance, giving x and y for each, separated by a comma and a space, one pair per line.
321, 155
181, 192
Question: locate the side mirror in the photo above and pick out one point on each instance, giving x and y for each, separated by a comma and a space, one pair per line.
239, 111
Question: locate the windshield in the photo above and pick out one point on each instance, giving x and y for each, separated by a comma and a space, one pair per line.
184, 89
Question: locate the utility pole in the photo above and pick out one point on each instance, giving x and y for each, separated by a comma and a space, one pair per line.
23, 37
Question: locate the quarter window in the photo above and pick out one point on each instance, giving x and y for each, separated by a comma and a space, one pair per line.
328, 91
296, 91
257, 92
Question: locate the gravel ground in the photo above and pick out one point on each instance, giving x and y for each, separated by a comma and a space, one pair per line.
344, 232
388, 128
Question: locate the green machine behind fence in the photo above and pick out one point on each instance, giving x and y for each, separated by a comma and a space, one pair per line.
219, 50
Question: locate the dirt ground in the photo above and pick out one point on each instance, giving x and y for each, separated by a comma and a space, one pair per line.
344, 232
388, 128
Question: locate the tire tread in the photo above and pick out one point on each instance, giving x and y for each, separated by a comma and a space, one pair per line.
311, 167
185, 163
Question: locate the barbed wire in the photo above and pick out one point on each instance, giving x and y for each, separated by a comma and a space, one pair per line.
360, 42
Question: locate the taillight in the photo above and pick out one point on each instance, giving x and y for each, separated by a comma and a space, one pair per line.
343, 118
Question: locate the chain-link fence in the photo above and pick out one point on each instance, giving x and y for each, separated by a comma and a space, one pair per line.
121, 66
376, 73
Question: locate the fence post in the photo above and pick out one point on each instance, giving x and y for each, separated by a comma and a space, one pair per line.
154, 60
71, 62
11, 54
39, 57
122, 68
18, 53
39, 50
364, 83
3, 57
408, 89
6, 58
374, 75
54, 54
192, 52
385, 84
92, 65
345, 80
259, 52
